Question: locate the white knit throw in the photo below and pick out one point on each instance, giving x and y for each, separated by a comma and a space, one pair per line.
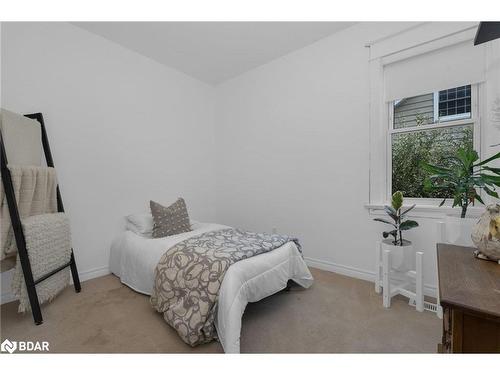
48, 241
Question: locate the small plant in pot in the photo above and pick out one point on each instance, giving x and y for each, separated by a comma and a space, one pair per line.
401, 249
463, 175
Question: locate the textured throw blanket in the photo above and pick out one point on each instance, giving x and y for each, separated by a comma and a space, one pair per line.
35, 191
189, 275
48, 241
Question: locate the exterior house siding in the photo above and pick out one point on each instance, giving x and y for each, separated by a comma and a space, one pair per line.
417, 110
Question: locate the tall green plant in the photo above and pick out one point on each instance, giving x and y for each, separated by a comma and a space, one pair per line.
463, 177
397, 214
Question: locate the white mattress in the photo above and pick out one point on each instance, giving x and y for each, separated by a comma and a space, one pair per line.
134, 258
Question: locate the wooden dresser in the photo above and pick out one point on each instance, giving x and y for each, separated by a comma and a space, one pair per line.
469, 290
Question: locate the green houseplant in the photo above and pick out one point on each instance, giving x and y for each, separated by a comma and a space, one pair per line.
397, 214
401, 249
464, 175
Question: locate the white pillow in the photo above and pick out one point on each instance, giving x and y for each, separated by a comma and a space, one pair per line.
141, 224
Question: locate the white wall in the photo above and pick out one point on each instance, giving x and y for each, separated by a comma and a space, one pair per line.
293, 153
123, 129
293, 141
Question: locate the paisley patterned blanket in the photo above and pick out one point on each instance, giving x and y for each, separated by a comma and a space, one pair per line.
189, 275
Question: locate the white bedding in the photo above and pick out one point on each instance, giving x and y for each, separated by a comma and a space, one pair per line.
134, 258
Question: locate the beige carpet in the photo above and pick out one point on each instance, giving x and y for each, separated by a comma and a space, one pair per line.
337, 314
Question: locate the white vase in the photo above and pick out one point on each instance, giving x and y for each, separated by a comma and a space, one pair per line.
458, 230
402, 257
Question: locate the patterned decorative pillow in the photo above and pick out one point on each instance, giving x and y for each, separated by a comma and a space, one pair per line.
170, 220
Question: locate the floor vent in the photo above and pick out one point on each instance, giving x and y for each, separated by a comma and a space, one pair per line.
427, 305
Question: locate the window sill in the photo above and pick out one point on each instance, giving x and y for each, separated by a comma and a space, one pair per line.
427, 211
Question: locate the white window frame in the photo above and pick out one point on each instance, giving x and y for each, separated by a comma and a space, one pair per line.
474, 119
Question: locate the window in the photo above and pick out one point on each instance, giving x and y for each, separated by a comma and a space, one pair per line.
406, 126
453, 104
428, 127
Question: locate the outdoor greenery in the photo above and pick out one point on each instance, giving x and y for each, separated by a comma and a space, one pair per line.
462, 175
434, 146
397, 214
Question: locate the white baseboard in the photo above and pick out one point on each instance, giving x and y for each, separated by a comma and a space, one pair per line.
93, 273
357, 273
7, 296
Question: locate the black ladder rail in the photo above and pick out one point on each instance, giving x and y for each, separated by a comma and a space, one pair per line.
53, 272
18, 230
60, 207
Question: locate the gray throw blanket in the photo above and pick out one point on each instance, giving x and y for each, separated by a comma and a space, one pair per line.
189, 275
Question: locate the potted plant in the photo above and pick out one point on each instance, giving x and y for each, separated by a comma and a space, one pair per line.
463, 175
401, 249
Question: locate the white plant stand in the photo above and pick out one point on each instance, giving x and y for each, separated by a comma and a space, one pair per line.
409, 283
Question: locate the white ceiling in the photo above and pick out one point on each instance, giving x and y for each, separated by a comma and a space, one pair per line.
213, 51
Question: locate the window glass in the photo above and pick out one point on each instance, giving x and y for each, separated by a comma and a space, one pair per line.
414, 111
445, 105
434, 143
455, 102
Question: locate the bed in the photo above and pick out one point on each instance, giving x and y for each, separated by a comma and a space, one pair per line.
133, 259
